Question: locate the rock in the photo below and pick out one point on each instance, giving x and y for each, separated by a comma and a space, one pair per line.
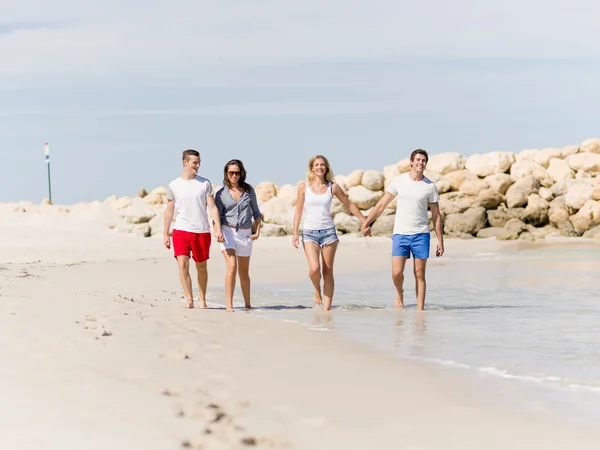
443, 186
117, 203
155, 199
596, 194
582, 174
383, 226
473, 186
277, 211
536, 212
526, 236
138, 212
588, 162
337, 207
364, 198
501, 216
489, 199
490, 232
354, 179
288, 193
341, 181
592, 232
147, 231
433, 176
46, 202
591, 145
559, 188
512, 230
444, 163
490, 163
346, 223
517, 194
403, 165
544, 156
569, 150
499, 182
559, 170
373, 180
526, 156
546, 194
458, 177
577, 193
460, 236
525, 169
141, 193
456, 202
389, 173
265, 191
586, 218
470, 222
157, 224
161, 190
268, 230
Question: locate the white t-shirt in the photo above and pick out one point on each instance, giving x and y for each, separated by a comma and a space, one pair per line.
413, 199
190, 203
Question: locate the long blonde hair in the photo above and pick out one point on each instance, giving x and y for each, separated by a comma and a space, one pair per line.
310, 176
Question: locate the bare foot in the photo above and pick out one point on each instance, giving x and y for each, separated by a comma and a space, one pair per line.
399, 303
190, 304
318, 299
248, 306
203, 304
229, 309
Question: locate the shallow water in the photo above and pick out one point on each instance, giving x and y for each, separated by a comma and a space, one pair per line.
531, 317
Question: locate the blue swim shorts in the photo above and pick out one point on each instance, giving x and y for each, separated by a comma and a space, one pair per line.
320, 237
405, 244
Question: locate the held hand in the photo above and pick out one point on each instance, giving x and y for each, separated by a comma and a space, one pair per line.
365, 229
295, 241
219, 236
439, 251
167, 241
254, 236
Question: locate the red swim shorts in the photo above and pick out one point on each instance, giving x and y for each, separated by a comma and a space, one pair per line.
198, 244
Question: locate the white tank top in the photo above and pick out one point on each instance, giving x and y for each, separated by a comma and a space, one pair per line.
317, 209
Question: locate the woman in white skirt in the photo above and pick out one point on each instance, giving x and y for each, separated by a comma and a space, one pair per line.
238, 207
319, 237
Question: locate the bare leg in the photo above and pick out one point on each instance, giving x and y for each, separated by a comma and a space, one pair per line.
244, 274
312, 251
398, 263
230, 274
420, 285
328, 255
186, 281
202, 282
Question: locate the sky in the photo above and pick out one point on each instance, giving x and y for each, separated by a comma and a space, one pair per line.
120, 88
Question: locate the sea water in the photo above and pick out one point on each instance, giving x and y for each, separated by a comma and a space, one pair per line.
529, 317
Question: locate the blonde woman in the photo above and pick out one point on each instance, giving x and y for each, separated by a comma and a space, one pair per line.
319, 237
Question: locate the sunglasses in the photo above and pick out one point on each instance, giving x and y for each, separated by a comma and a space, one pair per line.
232, 173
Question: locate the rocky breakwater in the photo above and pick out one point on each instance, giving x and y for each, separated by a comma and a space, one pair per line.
506, 195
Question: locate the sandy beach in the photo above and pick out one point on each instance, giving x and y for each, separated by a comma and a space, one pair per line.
97, 350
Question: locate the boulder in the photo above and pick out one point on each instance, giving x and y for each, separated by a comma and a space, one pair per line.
544, 156
586, 218
525, 169
489, 199
277, 211
403, 165
499, 182
536, 212
383, 226
138, 212
470, 221
526, 156
458, 177
341, 181
354, 179
591, 145
337, 207
517, 194
155, 199
289, 194
490, 163
443, 186
559, 170
577, 193
444, 163
588, 162
592, 232
268, 229
161, 190
346, 223
141, 193
546, 194
490, 232
559, 188
389, 173
265, 191
473, 186
373, 180
456, 202
364, 198
512, 230
569, 150
501, 216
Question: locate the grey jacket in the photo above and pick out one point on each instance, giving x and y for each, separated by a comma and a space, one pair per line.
238, 214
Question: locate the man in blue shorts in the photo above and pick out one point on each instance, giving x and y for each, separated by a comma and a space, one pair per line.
415, 193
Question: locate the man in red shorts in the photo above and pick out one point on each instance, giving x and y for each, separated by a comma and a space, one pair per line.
192, 197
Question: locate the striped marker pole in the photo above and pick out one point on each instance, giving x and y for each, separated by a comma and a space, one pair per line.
47, 154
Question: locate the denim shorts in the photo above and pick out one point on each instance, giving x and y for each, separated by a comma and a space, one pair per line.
405, 244
320, 237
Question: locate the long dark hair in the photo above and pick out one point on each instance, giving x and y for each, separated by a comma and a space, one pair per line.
241, 180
